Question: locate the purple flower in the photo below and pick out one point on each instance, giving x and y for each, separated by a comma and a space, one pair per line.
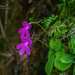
24, 31
26, 41
24, 45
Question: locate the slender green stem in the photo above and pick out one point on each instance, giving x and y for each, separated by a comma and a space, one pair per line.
37, 21
43, 28
40, 26
40, 41
62, 10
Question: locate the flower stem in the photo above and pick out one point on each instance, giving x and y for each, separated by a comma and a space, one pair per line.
40, 41
43, 29
37, 21
40, 26
62, 10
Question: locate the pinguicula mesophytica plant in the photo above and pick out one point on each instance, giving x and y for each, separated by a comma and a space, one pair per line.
26, 41
61, 53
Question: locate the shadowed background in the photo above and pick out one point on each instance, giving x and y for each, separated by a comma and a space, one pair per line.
12, 13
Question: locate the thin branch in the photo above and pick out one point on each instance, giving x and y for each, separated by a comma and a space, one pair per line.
6, 55
6, 14
2, 30
67, 35
9, 62
4, 8
33, 34
4, 36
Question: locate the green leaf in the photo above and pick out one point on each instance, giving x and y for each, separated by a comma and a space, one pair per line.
56, 16
57, 35
49, 19
51, 53
31, 19
64, 0
57, 23
67, 58
74, 70
49, 65
59, 54
47, 24
55, 44
64, 30
51, 43
63, 47
70, 46
44, 20
73, 26
61, 66
73, 43
52, 15
60, 6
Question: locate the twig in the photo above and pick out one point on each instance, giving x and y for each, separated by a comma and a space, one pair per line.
2, 30
6, 55
6, 14
62, 10
4, 36
67, 35
33, 34
4, 8
9, 62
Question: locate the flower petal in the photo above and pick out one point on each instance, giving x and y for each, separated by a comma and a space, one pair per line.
29, 26
27, 50
23, 35
29, 41
24, 23
21, 30
27, 33
22, 50
23, 40
19, 45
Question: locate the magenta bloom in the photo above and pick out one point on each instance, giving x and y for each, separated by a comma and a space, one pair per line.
24, 31
24, 46
26, 41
